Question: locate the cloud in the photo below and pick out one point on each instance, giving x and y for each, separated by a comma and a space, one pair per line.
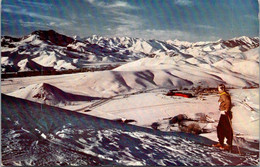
43, 25
37, 20
124, 24
120, 22
126, 19
126, 28
205, 26
115, 4
43, 17
90, 1
11, 7
7, 10
36, 4
25, 12
183, 2
166, 34
52, 23
64, 24
162, 35
31, 24
5, 22
131, 25
121, 4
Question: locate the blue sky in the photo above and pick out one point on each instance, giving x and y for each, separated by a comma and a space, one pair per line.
189, 20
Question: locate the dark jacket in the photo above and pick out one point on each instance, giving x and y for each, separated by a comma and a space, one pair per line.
225, 102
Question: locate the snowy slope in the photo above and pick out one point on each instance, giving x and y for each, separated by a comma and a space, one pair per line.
158, 72
246, 111
199, 71
49, 94
34, 134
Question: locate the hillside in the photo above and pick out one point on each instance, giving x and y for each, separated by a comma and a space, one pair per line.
49, 94
43, 135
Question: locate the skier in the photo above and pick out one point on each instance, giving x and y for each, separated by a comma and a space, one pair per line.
224, 128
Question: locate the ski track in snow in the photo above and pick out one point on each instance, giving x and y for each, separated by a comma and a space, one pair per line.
34, 134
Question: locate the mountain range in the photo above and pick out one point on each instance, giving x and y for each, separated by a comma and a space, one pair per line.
53, 120
50, 50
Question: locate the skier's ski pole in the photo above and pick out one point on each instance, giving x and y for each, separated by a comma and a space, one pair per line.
235, 139
166, 113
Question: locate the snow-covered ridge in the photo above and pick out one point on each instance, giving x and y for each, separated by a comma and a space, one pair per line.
53, 50
48, 94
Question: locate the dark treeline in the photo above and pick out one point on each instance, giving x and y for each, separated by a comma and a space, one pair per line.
54, 72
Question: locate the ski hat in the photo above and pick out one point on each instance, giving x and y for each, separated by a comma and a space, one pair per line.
222, 87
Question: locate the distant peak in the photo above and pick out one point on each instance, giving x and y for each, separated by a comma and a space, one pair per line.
45, 86
95, 36
220, 40
54, 37
76, 37
241, 38
38, 32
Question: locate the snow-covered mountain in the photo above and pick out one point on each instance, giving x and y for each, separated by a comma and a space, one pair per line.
150, 46
132, 44
49, 50
244, 43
